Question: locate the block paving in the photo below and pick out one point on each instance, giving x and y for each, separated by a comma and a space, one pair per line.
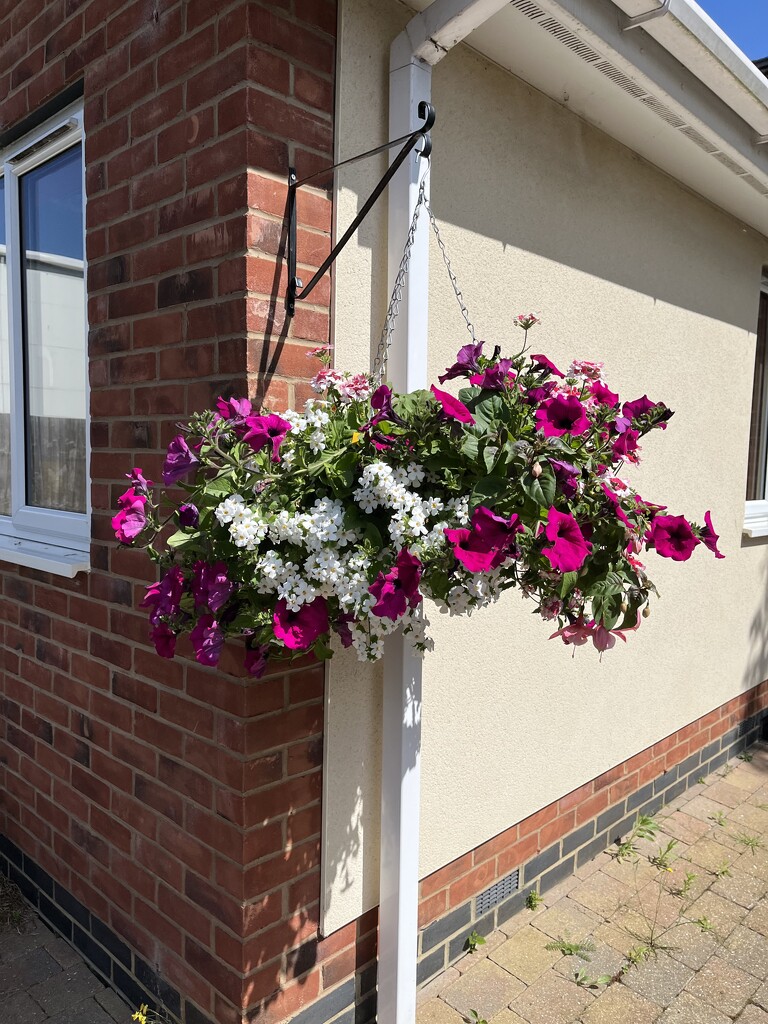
707, 959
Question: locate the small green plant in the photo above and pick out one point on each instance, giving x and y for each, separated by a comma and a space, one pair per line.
146, 1016
723, 870
533, 901
701, 780
645, 827
475, 1018
663, 858
719, 818
636, 956
583, 980
705, 924
473, 941
746, 756
751, 842
579, 949
684, 889
726, 771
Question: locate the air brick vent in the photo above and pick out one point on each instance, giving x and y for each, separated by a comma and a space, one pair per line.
498, 892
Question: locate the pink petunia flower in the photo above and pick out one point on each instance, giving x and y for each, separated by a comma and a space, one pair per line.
709, 538
489, 543
164, 597
398, 589
233, 408
132, 517
299, 630
451, 407
264, 430
602, 394
496, 377
207, 640
672, 537
568, 549
558, 416
547, 364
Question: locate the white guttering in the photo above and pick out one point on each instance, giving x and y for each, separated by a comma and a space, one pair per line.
693, 38
425, 41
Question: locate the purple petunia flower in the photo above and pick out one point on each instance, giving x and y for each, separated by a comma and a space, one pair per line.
139, 481
164, 597
132, 517
567, 477
489, 543
399, 588
207, 640
561, 415
451, 407
233, 408
466, 362
179, 461
189, 516
256, 659
299, 630
546, 364
569, 549
709, 538
263, 430
672, 537
211, 586
494, 378
164, 639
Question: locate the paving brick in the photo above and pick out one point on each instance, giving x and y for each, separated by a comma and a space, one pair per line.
65, 989
602, 894
15, 944
723, 986
552, 1000
604, 960
508, 1017
21, 1009
754, 1015
487, 988
525, 955
114, 1005
567, 919
724, 793
723, 914
691, 945
747, 950
710, 854
686, 1009
761, 996
659, 979
30, 970
87, 1012
619, 1005
438, 1012
757, 919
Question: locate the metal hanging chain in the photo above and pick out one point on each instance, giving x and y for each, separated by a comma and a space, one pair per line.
395, 300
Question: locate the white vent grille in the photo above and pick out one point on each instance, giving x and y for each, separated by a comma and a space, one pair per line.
620, 79
698, 138
529, 9
758, 186
726, 161
663, 112
567, 38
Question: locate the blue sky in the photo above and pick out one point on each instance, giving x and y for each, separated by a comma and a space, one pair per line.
745, 21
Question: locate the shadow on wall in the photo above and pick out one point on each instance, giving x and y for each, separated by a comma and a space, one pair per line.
756, 670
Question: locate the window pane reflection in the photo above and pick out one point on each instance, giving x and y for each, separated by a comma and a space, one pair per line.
54, 332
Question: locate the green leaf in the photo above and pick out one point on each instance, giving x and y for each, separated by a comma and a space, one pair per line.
487, 491
569, 582
220, 485
490, 454
541, 489
181, 539
470, 446
611, 583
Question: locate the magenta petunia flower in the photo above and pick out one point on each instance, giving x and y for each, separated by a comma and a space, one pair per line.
342, 628
672, 537
613, 499
567, 477
189, 515
207, 640
626, 445
569, 549
452, 407
164, 597
603, 394
211, 586
467, 362
489, 543
256, 660
558, 416
139, 481
132, 517
398, 589
709, 538
233, 408
264, 430
299, 630
640, 406
547, 364
164, 639
179, 461
496, 377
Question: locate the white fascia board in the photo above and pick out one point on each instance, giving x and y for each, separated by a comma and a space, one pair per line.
691, 36
441, 26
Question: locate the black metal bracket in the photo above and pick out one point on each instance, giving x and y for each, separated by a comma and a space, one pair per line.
296, 289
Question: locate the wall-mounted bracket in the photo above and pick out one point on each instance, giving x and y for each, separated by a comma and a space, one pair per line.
641, 19
296, 289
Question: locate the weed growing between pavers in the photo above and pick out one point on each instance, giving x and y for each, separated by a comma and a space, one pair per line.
14, 913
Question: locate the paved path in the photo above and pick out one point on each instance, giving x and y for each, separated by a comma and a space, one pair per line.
43, 980
697, 931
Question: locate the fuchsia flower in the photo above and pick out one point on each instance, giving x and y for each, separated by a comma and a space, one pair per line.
132, 517
579, 632
211, 586
558, 416
452, 407
207, 640
545, 363
256, 659
602, 394
569, 549
179, 461
672, 537
489, 543
467, 362
496, 377
399, 588
709, 538
264, 430
299, 630
576, 633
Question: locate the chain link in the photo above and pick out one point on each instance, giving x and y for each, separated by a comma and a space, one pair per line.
385, 342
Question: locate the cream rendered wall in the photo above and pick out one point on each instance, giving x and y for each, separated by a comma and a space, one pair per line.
541, 211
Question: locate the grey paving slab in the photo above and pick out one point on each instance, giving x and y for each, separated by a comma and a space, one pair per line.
21, 1009
687, 1009
552, 1000
525, 955
620, 1005
114, 1005
659, 979
14, 944
754, 1015
747, 950
723, 986
488, 988
24, 972
66, 989
87, 1012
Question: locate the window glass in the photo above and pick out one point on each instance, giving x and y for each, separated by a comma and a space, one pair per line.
5, 372
758, 435
51, 200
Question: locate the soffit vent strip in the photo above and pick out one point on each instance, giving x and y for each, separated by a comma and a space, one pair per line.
590, 56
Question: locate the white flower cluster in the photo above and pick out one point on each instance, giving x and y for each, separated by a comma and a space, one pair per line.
246, 528
476, 590
380, 486
314, 419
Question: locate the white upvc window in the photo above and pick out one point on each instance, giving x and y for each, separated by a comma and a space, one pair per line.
44, 435
756, 514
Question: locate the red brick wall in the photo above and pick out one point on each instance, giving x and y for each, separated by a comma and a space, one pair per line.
178, 804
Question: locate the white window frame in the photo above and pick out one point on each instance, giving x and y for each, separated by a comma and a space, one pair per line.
756, 511
48, 539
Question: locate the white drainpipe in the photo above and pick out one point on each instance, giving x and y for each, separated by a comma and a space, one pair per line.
426, 40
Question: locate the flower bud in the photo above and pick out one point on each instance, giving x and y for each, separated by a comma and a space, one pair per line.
624, 607
646, 611
536, 470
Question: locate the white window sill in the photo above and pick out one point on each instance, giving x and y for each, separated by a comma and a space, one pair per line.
756, 519
60, 561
